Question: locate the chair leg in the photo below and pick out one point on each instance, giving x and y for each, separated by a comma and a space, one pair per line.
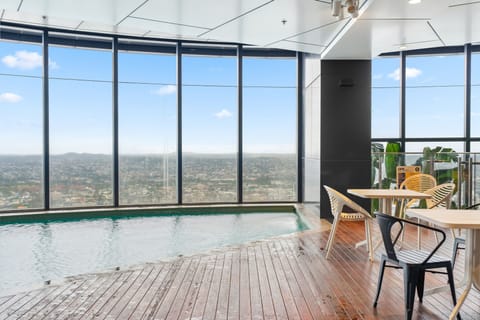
452, 287
368, 235
421, 284
456, 245
331, 236
380, 279
410, 283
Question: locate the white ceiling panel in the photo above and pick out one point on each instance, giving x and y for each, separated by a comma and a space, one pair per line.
9, 4
459, 24
102, 11
152, 27
205, 14
320, 36
35, 19
108, 28
395, 9
274, 22
305, 47
369, 38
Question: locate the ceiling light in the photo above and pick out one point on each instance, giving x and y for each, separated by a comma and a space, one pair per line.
336, 7
351, 6
414, 1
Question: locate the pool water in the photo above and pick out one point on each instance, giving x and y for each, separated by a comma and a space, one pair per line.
32, 253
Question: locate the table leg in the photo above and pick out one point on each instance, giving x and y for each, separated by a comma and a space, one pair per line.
472, 264
386, 206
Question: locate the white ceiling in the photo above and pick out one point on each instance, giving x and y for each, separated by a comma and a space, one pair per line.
301, 25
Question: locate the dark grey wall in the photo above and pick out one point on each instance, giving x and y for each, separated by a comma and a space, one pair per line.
345, 128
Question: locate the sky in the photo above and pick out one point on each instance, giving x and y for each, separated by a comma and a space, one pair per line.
80, 102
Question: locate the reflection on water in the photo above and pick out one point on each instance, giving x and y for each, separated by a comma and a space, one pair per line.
33, 253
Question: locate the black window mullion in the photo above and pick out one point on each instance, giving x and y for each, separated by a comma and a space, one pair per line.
46, 125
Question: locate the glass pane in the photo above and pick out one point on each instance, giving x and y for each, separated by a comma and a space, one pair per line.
21, 126
434, 112
209, 124
385, 98
147, 128
80, 128
430, 70
434, 96
475, 96
269, 128
385, 113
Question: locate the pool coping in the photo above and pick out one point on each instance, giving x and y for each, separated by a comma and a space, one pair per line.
16, 217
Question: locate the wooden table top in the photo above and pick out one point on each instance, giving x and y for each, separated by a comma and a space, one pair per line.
388, 193
448, 218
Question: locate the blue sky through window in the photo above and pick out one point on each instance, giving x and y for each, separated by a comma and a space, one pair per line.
81, 99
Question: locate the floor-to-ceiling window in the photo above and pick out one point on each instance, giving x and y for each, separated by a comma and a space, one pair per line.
147, 127
21, 125
269, 129
110, 125
80, 111
209, 126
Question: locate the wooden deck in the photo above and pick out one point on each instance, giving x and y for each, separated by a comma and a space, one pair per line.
281, 278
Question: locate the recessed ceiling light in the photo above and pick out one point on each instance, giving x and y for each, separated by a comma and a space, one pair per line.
403, 47
414, 1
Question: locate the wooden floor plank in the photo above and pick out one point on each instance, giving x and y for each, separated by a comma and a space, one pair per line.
155, 296
234, 293
224, 290
138, 297
193, 291
212, 296
245, 306
88, 300
278, 305
288, 299
122, 299
171, 292
108, 295
255, 295
182, 293
265, 291
201, 301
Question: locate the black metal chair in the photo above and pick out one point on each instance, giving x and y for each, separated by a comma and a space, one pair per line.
413, 262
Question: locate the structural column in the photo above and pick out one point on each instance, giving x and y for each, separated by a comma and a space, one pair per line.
345, 123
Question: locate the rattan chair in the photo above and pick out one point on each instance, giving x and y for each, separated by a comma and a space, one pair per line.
337, 203
441, 198
420, 182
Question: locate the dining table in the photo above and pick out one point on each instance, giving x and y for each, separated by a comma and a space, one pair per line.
387, 196
458, 219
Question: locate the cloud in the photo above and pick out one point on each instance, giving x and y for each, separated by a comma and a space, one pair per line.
409, 73
10, 97
166, 90
53, 64
377, 76
24, 60
223, 114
